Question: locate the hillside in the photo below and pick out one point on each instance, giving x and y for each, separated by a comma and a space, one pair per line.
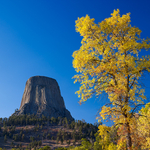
29, 131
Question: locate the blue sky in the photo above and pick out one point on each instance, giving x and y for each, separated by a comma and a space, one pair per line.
37, 37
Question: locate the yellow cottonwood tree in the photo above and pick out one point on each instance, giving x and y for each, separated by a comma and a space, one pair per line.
108, 61
104, 133
143, 126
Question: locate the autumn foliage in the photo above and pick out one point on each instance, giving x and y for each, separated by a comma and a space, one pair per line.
110, 61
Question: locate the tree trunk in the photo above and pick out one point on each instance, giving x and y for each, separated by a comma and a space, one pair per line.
129, 142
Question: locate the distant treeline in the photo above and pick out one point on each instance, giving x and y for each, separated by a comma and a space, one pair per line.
23, 120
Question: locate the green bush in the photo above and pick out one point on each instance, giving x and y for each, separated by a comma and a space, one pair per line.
45, 148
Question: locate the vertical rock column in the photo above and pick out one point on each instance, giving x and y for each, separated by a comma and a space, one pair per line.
42, 96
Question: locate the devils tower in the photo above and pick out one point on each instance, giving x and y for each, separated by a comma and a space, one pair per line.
42, 97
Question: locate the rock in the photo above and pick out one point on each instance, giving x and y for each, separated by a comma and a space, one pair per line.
42, 97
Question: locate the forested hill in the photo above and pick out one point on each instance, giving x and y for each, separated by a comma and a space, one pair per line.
30, 131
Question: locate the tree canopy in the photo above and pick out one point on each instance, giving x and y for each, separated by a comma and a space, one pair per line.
110, 61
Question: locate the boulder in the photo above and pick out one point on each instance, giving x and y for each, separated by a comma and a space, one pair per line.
42, 97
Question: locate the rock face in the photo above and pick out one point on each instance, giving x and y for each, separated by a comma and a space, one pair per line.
42, 97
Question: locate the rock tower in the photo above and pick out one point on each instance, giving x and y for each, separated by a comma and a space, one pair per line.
42, 97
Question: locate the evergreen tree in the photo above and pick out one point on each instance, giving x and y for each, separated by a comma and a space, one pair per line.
48, 136
57, 140
62, 141
23, 137
5, 138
